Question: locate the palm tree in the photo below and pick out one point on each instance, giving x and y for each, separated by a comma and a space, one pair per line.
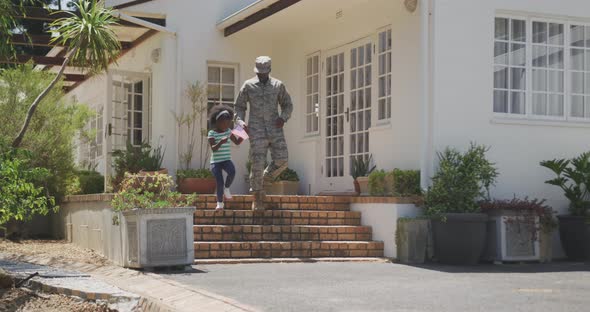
90, 42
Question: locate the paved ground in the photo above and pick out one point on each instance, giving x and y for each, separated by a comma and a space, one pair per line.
394, 287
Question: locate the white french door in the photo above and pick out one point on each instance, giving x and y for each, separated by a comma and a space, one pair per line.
346, 112
128, 114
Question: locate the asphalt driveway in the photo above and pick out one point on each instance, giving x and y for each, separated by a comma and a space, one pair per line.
395, 287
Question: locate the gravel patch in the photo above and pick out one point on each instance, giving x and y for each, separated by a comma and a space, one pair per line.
58, 249
17, 300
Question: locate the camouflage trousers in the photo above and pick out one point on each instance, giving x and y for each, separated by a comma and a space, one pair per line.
259, 146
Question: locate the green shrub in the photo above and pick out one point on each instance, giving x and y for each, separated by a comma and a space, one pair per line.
21, 195
406, 182
194, 173
378, 185
149, 192
461, 181
288, 175
91, 182
53, 127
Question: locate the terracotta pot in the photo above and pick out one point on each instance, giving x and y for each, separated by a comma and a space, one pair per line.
363, 183
197, 186
282, 188
357, 187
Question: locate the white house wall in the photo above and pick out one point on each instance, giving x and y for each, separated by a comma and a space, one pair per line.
464, 34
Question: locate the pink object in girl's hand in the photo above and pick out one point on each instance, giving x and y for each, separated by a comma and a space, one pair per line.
240, 132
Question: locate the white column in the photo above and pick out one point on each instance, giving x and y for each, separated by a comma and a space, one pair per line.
427, 61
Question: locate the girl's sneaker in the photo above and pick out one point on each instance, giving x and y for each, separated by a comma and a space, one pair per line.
219, 206
227, 193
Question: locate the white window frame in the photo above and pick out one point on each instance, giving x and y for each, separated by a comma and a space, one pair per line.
236, 85
377, 76
567, 71
315, 114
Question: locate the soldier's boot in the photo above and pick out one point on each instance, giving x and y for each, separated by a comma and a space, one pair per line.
258, 202
273, 171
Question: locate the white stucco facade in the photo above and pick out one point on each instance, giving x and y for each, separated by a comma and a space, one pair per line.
442, 82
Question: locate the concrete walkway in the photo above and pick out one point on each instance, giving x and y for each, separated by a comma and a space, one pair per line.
158, 294
394, 287
72, 283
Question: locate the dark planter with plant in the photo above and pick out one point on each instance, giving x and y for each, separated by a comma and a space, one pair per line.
573, 177
156, 222
461, 182
195, 181
361, 169
519, 230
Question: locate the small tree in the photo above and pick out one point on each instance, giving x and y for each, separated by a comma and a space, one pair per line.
194, 120
91, 44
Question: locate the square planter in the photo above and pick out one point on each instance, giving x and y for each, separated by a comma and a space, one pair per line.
411, 238
283, 188
158, 237
511, 241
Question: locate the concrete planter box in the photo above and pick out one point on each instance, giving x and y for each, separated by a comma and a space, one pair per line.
283, 188
412, 236
510, 240
545, 247
157, 237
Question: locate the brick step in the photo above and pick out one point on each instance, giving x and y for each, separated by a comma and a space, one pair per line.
303, 249
276, 217
290, 260
281, 233
277, 202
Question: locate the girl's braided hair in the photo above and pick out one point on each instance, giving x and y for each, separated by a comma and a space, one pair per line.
215, 110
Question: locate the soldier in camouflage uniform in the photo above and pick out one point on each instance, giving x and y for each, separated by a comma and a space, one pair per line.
265, 126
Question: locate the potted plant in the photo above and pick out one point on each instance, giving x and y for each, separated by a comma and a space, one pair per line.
196, 181
201, 180
157, 222
286, 184
460, 183
573, 177
361, 169
141, 160
516, 229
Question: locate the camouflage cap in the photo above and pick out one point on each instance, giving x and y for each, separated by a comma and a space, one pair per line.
262, 65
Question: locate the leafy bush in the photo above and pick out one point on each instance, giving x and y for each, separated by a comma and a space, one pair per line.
362, 167
21, 196
527, 211
91, 182
194, 173
406, 182
378, 184
398, 182
53, 127
461, 181
573, 177
149, 192
288, 175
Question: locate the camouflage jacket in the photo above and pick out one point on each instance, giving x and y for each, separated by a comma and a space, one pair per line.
264, 99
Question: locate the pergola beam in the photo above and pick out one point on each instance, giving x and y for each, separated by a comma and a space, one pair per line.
258, 16
36, 59
43, 14
45, 41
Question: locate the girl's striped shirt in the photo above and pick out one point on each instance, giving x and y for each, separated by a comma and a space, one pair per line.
224, 151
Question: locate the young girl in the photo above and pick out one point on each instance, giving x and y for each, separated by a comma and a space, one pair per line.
220, 120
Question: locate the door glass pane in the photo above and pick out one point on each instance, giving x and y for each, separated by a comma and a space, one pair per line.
518, 30
539, 32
